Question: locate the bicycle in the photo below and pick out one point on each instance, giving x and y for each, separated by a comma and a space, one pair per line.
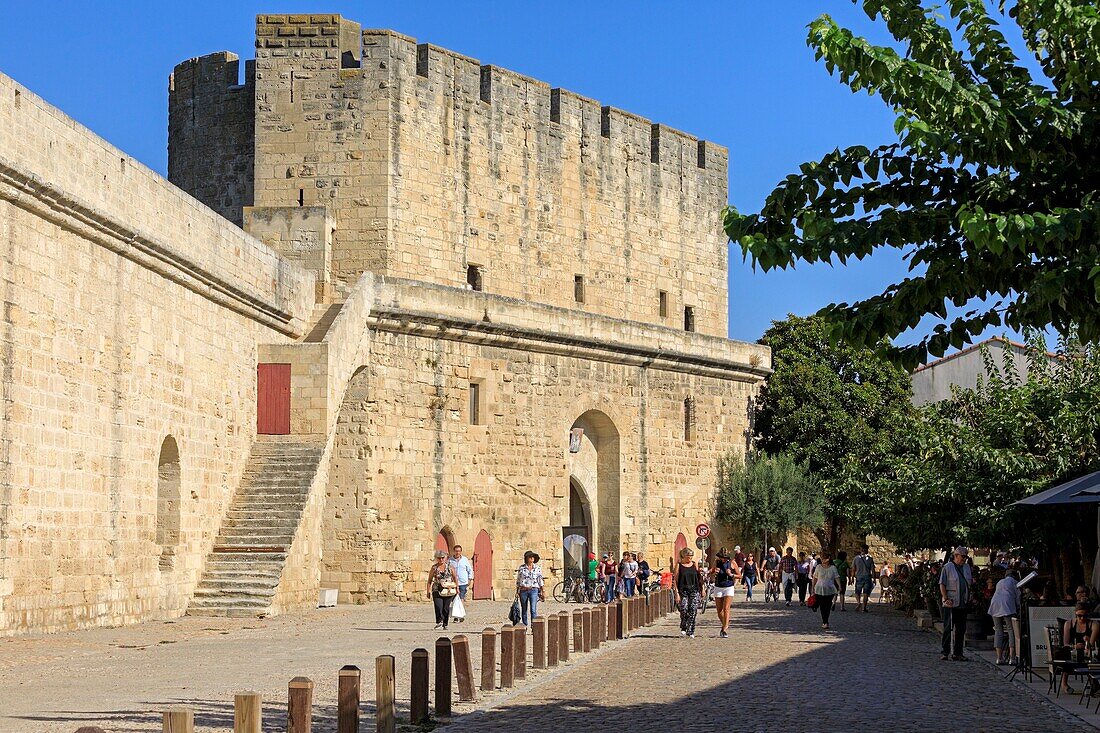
771, 588
575, 589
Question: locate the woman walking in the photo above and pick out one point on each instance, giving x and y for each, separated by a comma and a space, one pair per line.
687, 589
529, 586
442, 588
726, 575
628, 572
748, 576
1004, 607
826, 586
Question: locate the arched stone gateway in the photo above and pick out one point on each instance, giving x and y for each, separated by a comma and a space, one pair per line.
594, 481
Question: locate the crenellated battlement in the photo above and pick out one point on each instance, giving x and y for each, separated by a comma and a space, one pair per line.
436, 166
211, 145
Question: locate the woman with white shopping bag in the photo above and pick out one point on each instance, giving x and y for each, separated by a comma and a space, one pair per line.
442, 588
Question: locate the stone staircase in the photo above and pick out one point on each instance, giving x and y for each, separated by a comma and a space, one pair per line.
248, 556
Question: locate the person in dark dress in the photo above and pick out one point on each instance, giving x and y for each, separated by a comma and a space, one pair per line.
687, 588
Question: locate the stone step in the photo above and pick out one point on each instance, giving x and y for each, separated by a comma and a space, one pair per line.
229, 589
274, 514
250, 550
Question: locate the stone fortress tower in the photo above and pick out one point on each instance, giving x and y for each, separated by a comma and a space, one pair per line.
465, 307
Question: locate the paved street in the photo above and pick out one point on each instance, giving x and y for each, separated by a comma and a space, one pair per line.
771, 675
777, 672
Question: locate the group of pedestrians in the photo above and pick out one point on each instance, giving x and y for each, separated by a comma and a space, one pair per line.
452, 574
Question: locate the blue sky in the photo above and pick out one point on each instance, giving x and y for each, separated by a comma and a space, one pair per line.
736, 72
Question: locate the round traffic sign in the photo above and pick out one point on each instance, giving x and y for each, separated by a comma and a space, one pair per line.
702, 542
702, 530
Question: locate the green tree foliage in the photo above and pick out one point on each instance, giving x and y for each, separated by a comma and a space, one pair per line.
991, 190
958, 469
830, 405
767, 495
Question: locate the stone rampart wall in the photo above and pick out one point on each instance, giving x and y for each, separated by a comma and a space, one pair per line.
408, 462
431, 163
130, 314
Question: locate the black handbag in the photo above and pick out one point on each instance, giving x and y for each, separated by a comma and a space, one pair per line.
514, 613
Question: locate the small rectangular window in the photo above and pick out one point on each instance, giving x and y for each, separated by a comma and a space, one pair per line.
689, 318
474, 277
475, 403
689, 419
662, 300
578, 288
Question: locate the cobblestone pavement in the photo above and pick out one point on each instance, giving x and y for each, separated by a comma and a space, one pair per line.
777, 672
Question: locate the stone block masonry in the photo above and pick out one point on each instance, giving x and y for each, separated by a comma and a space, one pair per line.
587, 389
130, 321
433, 165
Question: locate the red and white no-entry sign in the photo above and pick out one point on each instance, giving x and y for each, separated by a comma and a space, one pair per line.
702, 530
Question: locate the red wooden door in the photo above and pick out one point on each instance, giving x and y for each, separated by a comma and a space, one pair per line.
681, 543
273, 399
483, 567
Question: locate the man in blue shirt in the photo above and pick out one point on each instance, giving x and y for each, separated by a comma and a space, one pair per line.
464, 572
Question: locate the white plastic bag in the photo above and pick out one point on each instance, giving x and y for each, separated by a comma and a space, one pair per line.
458, 609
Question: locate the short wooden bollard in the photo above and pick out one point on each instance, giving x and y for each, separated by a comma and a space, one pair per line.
507, 657
385, 699
586, 629
599, 619
552, 640
563, 636
246, 712
620, 619
347, 700
418, 691
442, 677
650, 606
578, 631
464, 668
488, 659
612, 617
299, 706
182, 720
538, 642
519, 648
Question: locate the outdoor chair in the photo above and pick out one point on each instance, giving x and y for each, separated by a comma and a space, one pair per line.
1058, 667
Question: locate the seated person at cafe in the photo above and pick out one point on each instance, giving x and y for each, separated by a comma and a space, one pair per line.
1079, 633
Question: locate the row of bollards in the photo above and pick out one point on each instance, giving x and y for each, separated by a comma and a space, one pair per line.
550, 639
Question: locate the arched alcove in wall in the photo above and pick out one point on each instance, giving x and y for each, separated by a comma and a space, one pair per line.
168, 502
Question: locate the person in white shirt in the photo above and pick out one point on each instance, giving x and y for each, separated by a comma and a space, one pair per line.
464, 573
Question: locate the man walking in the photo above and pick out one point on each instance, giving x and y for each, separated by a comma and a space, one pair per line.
955, 579
464, 573
788, 566
863, 569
